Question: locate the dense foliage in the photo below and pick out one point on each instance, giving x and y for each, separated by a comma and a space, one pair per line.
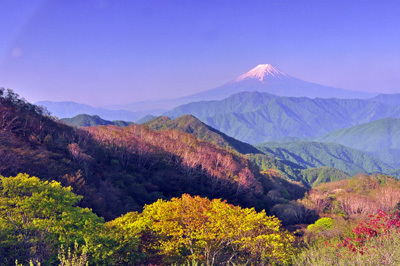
213, 232
39, 219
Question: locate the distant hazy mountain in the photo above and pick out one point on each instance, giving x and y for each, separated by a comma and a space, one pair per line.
390, 99
84, 120
255, 117
311, 154
379, 138
71, 109
146, 118
262, 78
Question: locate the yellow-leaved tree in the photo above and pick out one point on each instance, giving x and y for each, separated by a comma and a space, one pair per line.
38, 217
213, 232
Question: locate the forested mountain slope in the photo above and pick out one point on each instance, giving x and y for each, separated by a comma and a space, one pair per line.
190, 124
120, 169
380, 138
310, 154
255, 117
289, 169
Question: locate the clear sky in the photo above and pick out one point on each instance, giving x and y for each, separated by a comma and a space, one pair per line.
104, 52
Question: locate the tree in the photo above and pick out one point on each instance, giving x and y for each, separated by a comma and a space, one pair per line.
215, 232
118, 243
37, 217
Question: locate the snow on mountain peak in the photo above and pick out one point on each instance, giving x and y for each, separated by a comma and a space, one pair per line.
261, 71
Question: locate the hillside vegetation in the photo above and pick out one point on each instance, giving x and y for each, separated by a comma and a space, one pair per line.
181, 193
40, 224
190, 124
121, 169
265, 161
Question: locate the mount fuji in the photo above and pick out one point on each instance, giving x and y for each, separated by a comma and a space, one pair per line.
269, 79
262, 78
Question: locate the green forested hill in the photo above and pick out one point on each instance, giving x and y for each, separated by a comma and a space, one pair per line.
190, 124
255, 117
310, 154
316, 176
84, 120
380, 138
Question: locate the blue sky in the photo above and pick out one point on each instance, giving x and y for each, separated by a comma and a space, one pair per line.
104, 52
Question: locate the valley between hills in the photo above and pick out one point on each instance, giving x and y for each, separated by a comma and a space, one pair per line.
264, 170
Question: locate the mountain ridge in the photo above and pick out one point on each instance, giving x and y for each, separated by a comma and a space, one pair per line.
69, 109
255, 117
84, 120
312, 154
378, 138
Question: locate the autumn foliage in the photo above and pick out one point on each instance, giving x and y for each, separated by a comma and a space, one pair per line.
383, 225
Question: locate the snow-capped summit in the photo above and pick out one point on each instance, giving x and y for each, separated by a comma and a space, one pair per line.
263, 78
269, 79
262, 71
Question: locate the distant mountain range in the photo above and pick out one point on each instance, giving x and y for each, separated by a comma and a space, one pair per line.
71, 109
255, 117
390, 99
